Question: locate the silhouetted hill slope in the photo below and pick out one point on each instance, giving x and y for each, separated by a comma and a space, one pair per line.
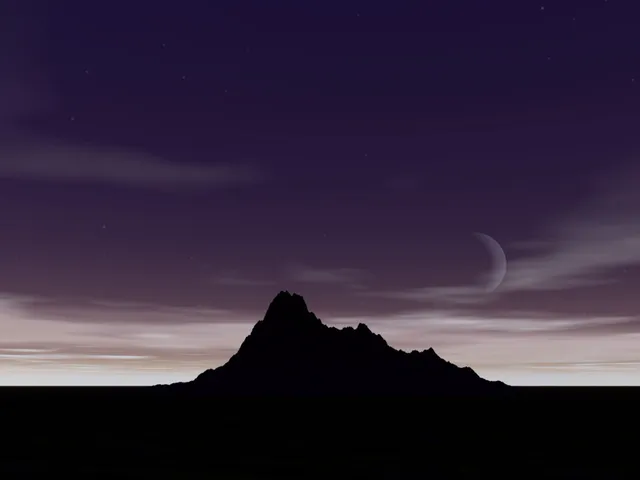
292, 352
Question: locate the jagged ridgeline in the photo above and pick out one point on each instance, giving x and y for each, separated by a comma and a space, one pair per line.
290, 351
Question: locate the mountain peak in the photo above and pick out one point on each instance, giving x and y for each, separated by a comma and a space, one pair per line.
363, 328
286, 306
292, 351
287, 325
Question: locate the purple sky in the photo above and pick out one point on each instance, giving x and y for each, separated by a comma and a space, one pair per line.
165, 171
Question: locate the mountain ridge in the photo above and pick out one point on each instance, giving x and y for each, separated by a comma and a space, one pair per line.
290, 351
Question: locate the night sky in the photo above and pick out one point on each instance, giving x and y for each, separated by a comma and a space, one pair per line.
166, 168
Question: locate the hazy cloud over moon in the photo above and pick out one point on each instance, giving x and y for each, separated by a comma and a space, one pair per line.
575, 250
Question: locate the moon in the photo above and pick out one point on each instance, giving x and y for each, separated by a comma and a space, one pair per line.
499, 260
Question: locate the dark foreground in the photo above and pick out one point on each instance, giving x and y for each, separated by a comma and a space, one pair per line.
135, 433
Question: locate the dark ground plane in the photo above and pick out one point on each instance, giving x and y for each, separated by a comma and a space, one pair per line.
147, 433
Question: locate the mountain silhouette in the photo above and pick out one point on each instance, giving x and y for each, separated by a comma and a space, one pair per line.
291, 352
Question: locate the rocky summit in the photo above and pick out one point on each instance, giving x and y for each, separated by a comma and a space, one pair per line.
291, 352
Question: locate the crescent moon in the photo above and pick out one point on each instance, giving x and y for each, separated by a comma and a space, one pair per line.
499, 260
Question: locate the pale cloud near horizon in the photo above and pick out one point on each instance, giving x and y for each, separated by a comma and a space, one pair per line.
95, 311
125, 343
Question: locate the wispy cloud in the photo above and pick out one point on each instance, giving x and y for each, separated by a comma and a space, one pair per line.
26, 93
454, 294
587, 244
234, 280
347, 277
463, 322
41, 159
30, 357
